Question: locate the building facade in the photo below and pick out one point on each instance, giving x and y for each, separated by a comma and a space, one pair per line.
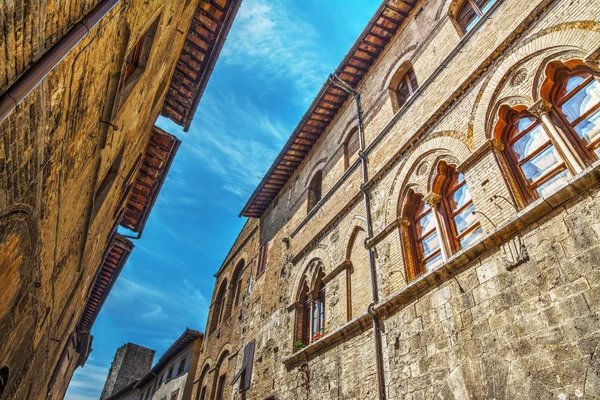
431, 229
170, 379
82, 83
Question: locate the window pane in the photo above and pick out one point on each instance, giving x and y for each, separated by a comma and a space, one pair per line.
433, 261
459, 198
539, 164
484, 5
589, 128
467, 17
425, 224
430, 244
583, 101
465, 219
525, 123
573, 82
529, 143
470, 238
553, 183
403, 92
413, 80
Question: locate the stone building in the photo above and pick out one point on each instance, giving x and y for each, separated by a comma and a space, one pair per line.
82, 83
432, 227
131, 362
168, 379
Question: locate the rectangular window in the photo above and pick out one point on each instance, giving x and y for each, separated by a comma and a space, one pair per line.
181, 367
170, 375
175, 394
262, 259
221, 387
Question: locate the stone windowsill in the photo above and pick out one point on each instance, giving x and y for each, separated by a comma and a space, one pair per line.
521, 220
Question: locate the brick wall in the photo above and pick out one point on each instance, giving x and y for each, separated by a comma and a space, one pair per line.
484, 323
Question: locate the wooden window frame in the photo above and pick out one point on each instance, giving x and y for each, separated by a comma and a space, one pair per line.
262, 260
478, 14
221, 383
559, 101
318, 316
447, 192
406, 78
529, 190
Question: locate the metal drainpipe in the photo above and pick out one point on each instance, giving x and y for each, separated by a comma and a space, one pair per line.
38, 71
337, 81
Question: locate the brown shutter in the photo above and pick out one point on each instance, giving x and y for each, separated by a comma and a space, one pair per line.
248, 362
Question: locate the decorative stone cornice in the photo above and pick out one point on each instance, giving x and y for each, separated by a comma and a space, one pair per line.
473, 159
540, 108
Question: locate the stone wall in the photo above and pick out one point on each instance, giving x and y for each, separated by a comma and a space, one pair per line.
64, 154
513, 315
130, 363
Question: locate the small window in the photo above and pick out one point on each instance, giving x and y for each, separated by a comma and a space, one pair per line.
137, 60
406, 88
181, 367
175, 395
471, 12
315, 190
351, 147
318, 311
262, 259
238, 292
170, 375
532, 155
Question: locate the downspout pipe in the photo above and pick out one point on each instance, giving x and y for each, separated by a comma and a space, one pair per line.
41, 68
338, 82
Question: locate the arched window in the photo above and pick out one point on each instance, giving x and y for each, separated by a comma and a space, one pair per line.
577, 98
406, 88
220, 383
351, 146
219, 307
236, 282
302, 336
203, 384
426, 244
470, 12
457, 208
318, 313
532, 154
315, 190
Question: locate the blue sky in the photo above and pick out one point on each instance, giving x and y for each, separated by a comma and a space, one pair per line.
277, 56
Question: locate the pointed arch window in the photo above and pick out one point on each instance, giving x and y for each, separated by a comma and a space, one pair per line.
303, 311
470, 12
318, 309
532, 155
458, 209
406, 88
426, 244
578, 99
315, 189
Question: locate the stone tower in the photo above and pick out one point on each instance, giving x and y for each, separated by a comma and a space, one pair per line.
131, 362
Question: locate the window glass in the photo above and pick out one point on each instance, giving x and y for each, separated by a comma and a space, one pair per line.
425, 224
582, 101
540, 164
553, 183
470, 238
465, 219
530, 142
407, 87
430, 244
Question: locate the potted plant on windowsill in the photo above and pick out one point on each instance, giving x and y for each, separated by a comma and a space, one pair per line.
317, 336
299, 345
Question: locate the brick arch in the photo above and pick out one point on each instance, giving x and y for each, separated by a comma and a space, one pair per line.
444, 145
218, 303
358, 223
401, 65
576, 36
434, 173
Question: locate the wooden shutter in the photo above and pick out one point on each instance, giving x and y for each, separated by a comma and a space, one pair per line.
248, 362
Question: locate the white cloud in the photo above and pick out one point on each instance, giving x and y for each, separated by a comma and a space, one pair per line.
272, 38
87, 382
